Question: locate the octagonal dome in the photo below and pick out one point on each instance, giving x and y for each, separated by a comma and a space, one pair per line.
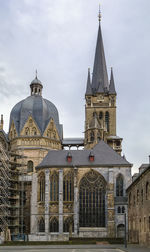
41, 111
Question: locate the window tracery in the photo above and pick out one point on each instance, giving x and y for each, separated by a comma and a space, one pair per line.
107, 120
119, 185
42, 187
41, 225
92, 192
27, 131
68, 224
54, 187
68, 187
54, 225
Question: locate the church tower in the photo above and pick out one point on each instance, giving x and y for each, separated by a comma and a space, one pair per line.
100, 107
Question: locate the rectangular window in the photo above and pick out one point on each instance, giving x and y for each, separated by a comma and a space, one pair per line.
149, 224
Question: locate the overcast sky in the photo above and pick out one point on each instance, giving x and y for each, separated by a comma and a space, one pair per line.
58, 39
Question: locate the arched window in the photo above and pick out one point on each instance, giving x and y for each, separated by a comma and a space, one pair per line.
41, 225
119, 209
54, 225
48, 133
107, 120
30, 166
92, 191
68, 187
34, 131
15, 134
27, 132
100, 115
147, 190
54, 187
42, 187
68, 225
92, 136
119, 185
123, 209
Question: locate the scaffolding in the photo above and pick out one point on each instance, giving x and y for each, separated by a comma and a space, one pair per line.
10, 191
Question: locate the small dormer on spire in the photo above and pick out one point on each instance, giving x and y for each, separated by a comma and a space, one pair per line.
36, 86
88, 86
112, 83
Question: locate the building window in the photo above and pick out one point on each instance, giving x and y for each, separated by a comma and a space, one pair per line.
54, 187
147, 190
68, 225
92, 136
41, 225
142, 196
107, 120
149, 223
68, 187
92, 191
119, 209
42, 187
30, 166
144, 224
119, 185
100, 115
27, 132
34, 131
54, 225
137, 196
123, 209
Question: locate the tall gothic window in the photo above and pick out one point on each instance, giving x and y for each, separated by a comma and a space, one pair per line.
68, 187
54, 187
107, 120
41, 225
119, 185
92, 193
54, 225
68, 224
42, 187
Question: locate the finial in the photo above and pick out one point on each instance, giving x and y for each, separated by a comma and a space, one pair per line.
99, 15
36, 74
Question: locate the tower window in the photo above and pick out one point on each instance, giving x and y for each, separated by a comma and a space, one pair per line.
30, 166
107, 120
100, 115
119, 185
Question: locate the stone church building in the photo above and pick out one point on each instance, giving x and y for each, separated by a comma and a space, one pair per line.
58, 191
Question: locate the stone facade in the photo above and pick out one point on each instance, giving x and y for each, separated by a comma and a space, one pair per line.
139, 208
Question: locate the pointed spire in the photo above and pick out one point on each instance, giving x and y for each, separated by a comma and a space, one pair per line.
88, 87
100, 76
112, 83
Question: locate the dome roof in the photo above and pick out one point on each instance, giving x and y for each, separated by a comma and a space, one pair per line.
41, 111
36, 81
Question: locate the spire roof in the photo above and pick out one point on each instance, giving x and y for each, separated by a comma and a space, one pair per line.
100, 77
88, 87
112, 84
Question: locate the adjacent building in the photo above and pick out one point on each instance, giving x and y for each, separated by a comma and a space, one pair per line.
139, 207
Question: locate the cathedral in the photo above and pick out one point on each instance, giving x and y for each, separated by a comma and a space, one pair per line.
51, 191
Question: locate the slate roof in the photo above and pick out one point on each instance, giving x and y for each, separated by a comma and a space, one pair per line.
39, 108
112, 84
100, 76
88, 86
104, 156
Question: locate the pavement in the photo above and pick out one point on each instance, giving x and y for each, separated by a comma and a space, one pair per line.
75, 248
